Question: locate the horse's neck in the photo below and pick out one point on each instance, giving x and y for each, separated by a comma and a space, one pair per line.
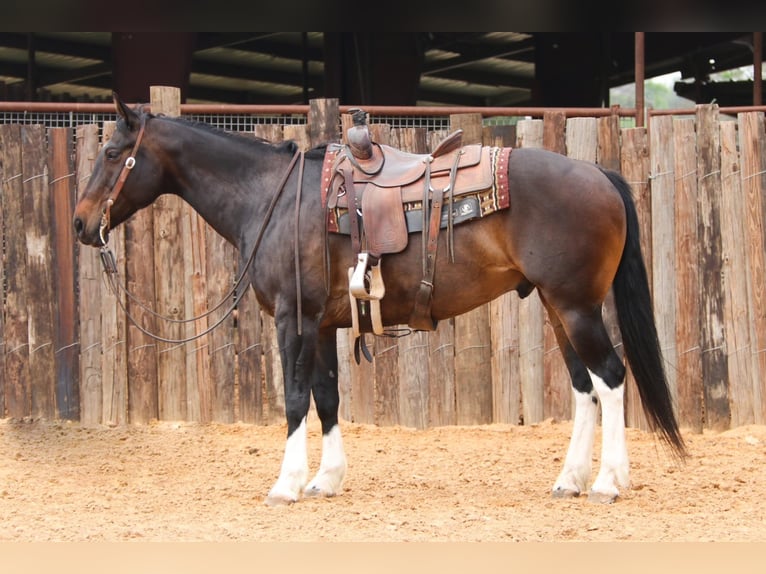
228, 184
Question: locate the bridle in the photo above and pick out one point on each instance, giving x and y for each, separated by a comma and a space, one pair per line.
110, 266
129, 164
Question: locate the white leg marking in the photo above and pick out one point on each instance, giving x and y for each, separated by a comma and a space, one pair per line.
614, 471
332, 469
575, 475
295, 470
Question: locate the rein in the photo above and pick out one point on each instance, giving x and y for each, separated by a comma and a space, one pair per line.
110, 266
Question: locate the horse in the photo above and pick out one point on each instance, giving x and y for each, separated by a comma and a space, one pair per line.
570, 231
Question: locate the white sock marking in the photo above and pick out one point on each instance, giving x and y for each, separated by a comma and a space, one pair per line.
295, 468
332, 468
575, 475
614, 471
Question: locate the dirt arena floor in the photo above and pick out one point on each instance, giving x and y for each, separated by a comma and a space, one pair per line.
189, 482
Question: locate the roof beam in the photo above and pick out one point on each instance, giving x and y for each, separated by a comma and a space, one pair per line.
252, 73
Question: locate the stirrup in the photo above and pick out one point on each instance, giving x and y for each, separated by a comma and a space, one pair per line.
366, 281
358, 294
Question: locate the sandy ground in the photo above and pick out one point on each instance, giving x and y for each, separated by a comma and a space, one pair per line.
188, 482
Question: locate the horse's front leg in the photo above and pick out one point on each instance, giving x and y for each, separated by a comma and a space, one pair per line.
332, 468
297, 355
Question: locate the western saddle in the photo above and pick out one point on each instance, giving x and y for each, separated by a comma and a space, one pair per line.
378, 195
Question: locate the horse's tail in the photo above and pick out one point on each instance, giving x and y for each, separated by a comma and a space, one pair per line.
639, 333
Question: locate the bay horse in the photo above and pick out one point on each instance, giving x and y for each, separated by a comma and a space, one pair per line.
571, 232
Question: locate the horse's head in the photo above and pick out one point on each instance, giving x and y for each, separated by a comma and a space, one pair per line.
125, 178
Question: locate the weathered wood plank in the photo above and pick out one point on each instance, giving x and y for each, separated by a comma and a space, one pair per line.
323, 121
411, 382
635, 168
62, 196
663, 233
170, 281
39, 285
737, 317
114, 369
442, 409
504, 325
90, 291
687, 276
16, 330
712, 298
143, 401
220, 278
2, 281
198, 389
531, 316
473, 354
608, 151
752, 145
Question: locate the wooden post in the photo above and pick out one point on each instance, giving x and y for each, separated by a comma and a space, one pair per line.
441, 355
504, 325
16, 330
39, 285
752, 145
635, 168
737, 316
90, 292
114, 373
714, 363
143, 403
170, 280
414, 350
662, 242
66, 353
531, 315
3, 179
473, 355
686, 267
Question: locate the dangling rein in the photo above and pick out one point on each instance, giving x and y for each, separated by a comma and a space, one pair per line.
110, 266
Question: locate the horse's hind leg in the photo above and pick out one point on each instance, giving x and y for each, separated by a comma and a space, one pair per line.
332, 467
574, 477
588, 337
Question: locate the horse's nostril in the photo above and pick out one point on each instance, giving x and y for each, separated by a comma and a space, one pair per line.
78, 225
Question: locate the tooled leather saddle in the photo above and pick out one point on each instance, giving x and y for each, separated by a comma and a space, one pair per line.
379, 195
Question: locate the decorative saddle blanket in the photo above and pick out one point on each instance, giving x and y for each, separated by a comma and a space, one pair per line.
394, 180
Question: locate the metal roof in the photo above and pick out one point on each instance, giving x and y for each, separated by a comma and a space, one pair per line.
460, 68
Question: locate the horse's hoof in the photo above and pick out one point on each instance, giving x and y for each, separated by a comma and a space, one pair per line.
277, 500
565, 493
317, 492
601, 497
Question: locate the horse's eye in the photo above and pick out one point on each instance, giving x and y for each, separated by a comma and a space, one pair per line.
112, 154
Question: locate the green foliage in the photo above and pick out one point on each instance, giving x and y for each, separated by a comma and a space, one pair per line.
657, 95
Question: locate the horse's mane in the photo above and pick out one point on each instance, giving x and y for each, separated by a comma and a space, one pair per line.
287, 145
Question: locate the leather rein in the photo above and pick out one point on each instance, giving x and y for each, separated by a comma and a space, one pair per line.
110, 266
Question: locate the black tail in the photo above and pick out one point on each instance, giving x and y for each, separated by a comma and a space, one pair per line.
639, 332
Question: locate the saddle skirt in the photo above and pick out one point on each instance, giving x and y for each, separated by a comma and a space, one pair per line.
390, 189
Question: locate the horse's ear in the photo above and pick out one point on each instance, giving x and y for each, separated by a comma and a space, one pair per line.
131, 118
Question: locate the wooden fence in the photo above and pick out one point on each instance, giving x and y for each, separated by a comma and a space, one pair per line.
67, 351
